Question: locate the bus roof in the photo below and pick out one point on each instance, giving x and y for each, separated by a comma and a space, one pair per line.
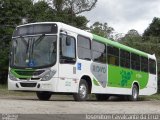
96, 37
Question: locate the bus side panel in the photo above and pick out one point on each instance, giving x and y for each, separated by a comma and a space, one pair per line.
151, 87
120, 81
124, 78
112, 80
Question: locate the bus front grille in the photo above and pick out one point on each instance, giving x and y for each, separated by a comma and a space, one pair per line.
28, 84
29, 73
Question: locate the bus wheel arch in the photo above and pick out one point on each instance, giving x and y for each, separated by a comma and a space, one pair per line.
89, 82
84, 89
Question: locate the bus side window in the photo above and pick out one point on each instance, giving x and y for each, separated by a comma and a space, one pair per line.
99, 52
135, 61
152, 66
144, 64
112, 60
113, 55
84, 47
67, 49
125, 59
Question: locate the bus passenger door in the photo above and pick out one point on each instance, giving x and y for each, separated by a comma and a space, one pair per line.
67, 64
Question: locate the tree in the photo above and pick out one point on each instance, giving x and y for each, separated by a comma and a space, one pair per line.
41, 12
101, 29
67, 11
152, 36
133, 33
72, 6
133, 39
11, 14
153, 29
12, 11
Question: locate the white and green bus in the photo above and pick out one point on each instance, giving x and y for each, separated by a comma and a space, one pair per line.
52, 57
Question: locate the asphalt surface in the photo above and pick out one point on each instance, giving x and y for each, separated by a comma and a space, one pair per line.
30, 106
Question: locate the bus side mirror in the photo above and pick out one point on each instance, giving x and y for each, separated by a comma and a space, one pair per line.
68, 41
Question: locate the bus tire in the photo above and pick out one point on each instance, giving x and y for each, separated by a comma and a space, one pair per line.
82, 94
135, 93
44, 95
102, 97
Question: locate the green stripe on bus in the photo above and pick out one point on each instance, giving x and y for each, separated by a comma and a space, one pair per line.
118, 45
13, 71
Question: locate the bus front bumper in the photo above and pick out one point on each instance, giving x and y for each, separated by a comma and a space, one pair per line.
33, 85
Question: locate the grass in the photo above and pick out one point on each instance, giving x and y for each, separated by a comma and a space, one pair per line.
153, 97
5, 92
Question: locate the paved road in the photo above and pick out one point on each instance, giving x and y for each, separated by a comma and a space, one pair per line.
31, 105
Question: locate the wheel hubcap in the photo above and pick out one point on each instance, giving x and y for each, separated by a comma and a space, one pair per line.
83, 91
135, 93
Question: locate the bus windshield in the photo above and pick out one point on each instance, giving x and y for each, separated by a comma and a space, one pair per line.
34, 52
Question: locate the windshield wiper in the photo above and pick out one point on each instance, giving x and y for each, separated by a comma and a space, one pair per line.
26, 43
36, 42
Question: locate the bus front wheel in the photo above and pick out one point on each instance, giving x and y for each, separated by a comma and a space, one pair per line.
82, 94
44, 95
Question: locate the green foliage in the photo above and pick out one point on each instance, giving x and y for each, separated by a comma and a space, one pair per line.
41, 12
151, 37
11, 14
72, 6
153, 29
132, 39
101, 29
12, 11
146, 44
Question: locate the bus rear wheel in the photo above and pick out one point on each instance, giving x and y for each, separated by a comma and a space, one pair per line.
135, 93
44, 95
102, 97
82, 94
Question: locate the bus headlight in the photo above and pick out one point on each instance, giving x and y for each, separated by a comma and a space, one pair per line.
48, 75
12, 77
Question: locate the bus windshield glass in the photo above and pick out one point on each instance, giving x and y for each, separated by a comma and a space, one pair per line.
34, 52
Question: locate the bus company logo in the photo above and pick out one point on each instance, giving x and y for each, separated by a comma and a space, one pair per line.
99, 69
126, 76
100, 73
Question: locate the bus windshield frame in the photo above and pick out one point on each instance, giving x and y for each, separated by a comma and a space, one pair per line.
31, 48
